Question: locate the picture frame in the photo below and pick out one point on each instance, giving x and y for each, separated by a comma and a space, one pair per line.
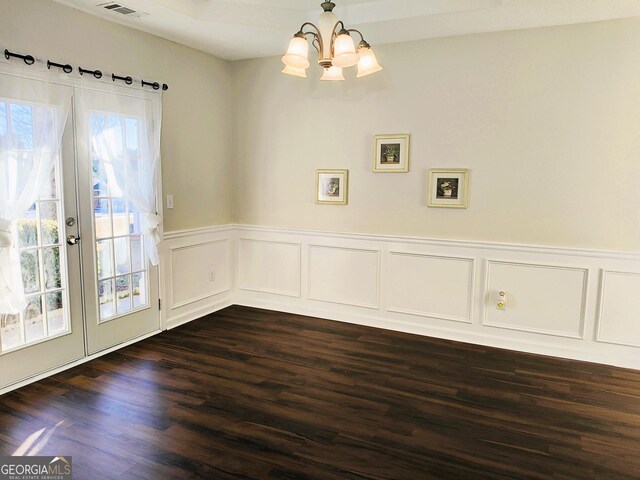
448, 188
391, 153
332, 187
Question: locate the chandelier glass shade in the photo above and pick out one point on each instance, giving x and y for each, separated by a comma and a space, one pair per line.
296, 72
332, 73
335, 46
367, 62
297, 53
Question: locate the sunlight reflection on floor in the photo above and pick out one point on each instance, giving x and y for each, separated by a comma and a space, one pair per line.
26, 449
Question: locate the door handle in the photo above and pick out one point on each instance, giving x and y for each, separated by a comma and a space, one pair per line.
73, 240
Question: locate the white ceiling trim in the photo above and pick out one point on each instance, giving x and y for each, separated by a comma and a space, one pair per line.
241, 29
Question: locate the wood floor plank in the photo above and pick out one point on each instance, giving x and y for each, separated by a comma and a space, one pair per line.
253, 394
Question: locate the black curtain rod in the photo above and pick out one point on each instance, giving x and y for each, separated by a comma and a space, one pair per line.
95, 73
66, 68
127, 80
30, 60
154, 85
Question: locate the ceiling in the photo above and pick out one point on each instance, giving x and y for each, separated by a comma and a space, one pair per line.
241, 29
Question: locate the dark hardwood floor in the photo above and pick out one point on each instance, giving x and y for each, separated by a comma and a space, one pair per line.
254, 394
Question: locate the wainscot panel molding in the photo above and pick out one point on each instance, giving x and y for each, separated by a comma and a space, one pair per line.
619, 313
269, 267
431, 286
346, 275
194, 280
196, 273
537, 296
558, 303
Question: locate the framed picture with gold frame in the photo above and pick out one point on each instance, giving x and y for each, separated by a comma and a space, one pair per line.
391, 153
448, 188
332, 187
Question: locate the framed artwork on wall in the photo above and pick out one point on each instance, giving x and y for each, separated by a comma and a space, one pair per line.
391, 153
332, 187
448, 187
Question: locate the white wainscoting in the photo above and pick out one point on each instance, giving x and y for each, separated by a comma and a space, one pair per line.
431, 286
199, 271
196, 273
570, 303
269, 267
619, 320
537, 296
349, 276
556, 303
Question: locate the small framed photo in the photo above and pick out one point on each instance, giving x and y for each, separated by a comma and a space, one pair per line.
391, 153
332, 186
448, 187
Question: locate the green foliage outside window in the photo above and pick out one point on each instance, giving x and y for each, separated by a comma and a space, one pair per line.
28, 237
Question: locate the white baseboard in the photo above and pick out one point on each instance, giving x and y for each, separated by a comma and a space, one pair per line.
196, 313
538, 348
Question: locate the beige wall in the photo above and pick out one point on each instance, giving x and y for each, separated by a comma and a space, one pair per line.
195, 131
547, 120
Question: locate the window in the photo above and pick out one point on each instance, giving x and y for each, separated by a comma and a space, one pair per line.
37, 237
121, 264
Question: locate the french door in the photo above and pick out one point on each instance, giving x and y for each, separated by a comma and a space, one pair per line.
88, 282
122, 288
49, 332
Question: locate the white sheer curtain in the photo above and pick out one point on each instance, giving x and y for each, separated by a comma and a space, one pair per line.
113, 118
33, 114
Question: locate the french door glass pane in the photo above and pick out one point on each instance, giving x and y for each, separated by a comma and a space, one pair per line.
55, 312
121, 265
52, 271
34, 320
49, 222
105, 298
123, 292
102, 217
139, 289
28, 228
50, 188
38, 238
30, 270
121, 247
104, 256
11, 332
137, 254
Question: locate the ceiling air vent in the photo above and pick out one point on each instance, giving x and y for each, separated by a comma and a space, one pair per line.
121, 9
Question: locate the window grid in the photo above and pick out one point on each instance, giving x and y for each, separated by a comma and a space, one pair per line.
117, 232
38, 322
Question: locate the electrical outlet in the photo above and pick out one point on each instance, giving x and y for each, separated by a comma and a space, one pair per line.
501, 304
169, 202
212, 276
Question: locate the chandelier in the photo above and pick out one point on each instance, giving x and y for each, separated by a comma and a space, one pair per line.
335, 47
